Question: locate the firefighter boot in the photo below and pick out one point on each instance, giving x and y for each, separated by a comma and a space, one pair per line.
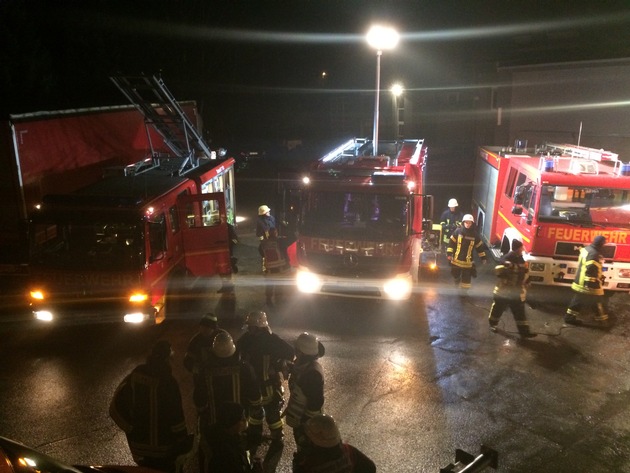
272, 458
571, 317
601, 318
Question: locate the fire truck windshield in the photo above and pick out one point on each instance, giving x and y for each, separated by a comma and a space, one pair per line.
354, 215
108, 246
585, 205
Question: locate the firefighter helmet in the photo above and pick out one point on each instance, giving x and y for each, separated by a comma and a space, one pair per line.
322, 430
162, 350
468, 218
257, 318
453, 203
263, 209
309, 345
223, 345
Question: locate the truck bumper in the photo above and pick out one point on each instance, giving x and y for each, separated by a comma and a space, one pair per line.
398, 287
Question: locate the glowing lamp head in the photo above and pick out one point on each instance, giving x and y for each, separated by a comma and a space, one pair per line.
382, 37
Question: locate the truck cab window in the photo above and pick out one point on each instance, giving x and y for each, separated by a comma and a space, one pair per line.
157, 238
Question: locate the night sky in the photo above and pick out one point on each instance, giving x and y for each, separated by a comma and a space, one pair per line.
248, 63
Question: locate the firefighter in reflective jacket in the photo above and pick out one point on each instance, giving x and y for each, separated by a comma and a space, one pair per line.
269, 355
147, 406
228, 379
306, 386
588, 286
460, 252
510, 290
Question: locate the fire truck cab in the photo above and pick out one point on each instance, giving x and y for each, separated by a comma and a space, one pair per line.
125, 245
555, 200
361, 220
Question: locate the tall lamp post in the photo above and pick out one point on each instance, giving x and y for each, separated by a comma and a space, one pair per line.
380, 38
396, 90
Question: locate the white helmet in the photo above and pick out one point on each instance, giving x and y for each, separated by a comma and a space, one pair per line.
223, 345
308, 344
257, 318
322, 430
453, 203
468, 218
263, 209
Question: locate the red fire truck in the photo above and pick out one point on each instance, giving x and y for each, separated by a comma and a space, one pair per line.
361, 221
555, 200
124, 246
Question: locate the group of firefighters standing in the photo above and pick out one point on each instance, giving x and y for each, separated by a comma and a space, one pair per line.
236, 388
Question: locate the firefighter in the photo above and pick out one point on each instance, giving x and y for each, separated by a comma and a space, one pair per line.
269, 355
265, 222
147, 406
460, 252
274, 265
450, 219
510, 290
226, 441
227, 379
588, 285
326, 452
198, 349
306, 386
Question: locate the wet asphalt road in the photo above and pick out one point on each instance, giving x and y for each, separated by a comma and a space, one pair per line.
408, 384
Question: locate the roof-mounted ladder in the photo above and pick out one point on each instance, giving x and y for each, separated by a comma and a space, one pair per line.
160, 109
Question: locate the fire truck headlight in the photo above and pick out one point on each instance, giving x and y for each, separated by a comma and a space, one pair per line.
537, 267
137, 297
37, 295
307, 282
398, 288
43, 315
624, 273
135, 318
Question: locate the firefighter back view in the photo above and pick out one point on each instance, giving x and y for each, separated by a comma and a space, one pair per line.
327, 452
306, 386
227, 379
269, 355
147, 406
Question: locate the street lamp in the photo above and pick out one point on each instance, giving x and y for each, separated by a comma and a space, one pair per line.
380, 38
396, 90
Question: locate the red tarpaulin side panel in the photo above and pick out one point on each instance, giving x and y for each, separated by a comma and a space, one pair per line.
60, 152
